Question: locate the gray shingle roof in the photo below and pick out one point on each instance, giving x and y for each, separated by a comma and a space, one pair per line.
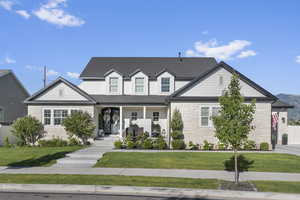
182, 68
130, 99
3, 72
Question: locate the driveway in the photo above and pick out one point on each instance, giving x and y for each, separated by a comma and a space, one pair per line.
290, 149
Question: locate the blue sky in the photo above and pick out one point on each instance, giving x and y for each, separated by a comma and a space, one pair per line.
259, 38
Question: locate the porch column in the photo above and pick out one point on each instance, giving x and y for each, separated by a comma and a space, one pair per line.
121, 121
144, 112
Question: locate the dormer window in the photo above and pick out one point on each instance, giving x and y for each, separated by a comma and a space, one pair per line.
113, 84
139, 85
165, 84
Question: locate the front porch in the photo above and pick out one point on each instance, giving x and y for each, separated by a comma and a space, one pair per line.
114, 120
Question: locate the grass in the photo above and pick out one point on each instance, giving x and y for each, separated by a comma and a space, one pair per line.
277, 186
33, 156
109, 180
267, 162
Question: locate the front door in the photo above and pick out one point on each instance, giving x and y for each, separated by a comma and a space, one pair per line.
111, 120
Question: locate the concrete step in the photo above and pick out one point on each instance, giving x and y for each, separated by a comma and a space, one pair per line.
81, 160
81, 155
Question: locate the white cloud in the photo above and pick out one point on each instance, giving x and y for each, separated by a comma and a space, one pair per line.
245, 54
51, 72
7, 5
212, 48
73, 75
8, 60
298, 59
53, 13
23, 13
204, 32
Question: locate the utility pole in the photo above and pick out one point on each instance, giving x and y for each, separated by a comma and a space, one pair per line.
45, 76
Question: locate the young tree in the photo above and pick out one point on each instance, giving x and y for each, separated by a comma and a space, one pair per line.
28, 130
233, 124
81, 125
177, 127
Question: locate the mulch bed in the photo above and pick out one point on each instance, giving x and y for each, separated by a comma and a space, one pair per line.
242, 186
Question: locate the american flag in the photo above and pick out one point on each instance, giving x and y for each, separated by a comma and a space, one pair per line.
274, 120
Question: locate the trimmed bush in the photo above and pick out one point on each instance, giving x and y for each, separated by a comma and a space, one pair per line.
118, 144
193, 146
249, 145
7, 143
264, 146
130, 145
243, 163
177, 135
208, 146
55, 142
178, 144
74, 142
222, 146
147, 144
159, 143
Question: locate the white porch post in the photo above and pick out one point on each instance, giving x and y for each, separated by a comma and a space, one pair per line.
144, 112
121, 121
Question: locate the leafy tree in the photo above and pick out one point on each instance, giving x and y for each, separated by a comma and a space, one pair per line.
233, 124
177, 127
81, 125
28, 130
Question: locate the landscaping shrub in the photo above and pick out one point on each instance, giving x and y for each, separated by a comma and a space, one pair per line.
208, 146
74, 142
6, 142
178, 144
243, 163
130, 145
118, 144
156, 130
222, 146
159, 143
81, 125
264, 146
55, 142
193, 146
177, 135
147, 144
28, 130
249, 145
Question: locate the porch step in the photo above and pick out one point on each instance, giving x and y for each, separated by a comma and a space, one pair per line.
94, 156
79, 160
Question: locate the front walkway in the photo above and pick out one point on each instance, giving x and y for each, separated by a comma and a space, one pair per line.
178, 173
290, 149
86, 158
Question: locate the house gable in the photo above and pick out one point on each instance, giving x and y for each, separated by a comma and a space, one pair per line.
216, 80
60, 91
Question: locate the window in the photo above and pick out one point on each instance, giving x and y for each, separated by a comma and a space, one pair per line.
74, 111
165, 84
59, 116
134, 116
283, 120
113, 84
204, 116
47, 117
215, 111
1, 114
155, 116
139, 85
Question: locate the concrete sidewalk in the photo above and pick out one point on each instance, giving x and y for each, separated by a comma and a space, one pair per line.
147, 191
178, 173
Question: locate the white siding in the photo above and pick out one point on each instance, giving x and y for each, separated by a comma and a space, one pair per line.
93, 87
211, 87
180, 84
153, 88
62, 92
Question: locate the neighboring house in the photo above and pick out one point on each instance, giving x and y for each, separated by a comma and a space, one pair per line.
12, 96
145, 91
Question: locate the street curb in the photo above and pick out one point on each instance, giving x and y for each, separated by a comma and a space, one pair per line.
145, 191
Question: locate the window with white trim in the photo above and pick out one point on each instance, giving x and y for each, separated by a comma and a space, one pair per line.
155, 116
59, 116
73, 111
134, 116
165, 84
139, 85
206, 115
113, 84
47, 117
1, 114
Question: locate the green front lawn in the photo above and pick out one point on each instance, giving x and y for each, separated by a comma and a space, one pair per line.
268, 162
33, 156
277, 186
109, 180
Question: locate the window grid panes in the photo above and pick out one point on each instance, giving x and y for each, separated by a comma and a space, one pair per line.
134, 116
47, 117
204, 116
113, 84
139, 85
59, 116
165, 84
155, 116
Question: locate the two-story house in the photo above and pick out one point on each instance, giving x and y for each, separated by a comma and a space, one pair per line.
145, 91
